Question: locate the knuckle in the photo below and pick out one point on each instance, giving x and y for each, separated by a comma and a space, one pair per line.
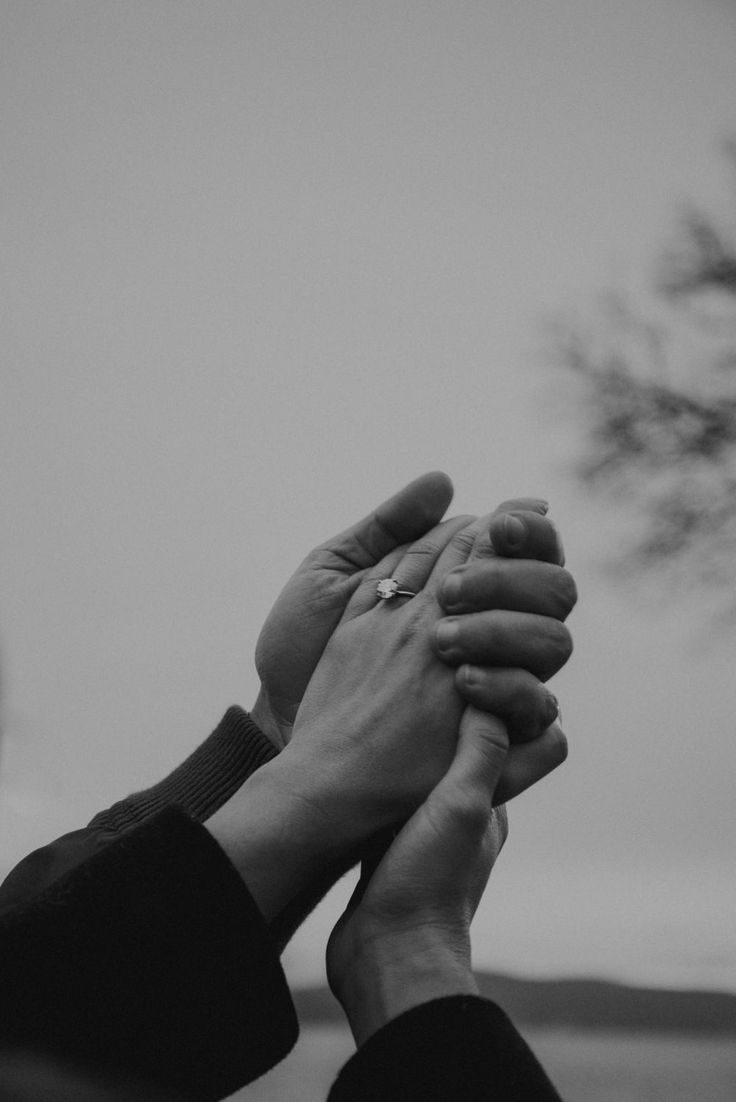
501, 822
484, 585
414, 620
567, 590
554, 541
464, 542
472, 814
555, 650
529, 708
452, 590
493, 744
314, 559
562, 640
425, 547
495, 576
558, 746
464, 808
523, 702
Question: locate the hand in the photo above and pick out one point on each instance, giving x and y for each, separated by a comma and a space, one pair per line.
380, 715
405, 936
314, 600
505, 643
312, 603
376, 730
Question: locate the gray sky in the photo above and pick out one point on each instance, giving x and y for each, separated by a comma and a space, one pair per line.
263, 263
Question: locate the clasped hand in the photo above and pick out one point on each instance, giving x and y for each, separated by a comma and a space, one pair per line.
365, 700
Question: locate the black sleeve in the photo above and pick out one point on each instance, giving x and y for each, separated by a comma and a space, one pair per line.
151, 962
462, 1048
200, 785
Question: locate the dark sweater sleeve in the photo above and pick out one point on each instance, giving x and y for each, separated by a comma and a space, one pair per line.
462, 1048
149, 961
199, 786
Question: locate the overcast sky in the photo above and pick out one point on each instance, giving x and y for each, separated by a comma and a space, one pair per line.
263, 263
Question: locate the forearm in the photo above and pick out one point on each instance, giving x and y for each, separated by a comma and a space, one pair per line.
285, 831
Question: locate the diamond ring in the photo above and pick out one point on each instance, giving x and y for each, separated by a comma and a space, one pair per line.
389, 587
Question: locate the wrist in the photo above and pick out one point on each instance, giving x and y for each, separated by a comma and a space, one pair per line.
390, 975
281, 834
263, 715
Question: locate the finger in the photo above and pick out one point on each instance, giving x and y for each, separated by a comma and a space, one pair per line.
539, 644
405, 517
520, 585
524, 534
426, 562
525, 504
410, 567
470, 783
517, 697
530, 762
466, 543
539, 540
420, 558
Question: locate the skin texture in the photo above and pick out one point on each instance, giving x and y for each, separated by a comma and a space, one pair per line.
375, 706
405, 936
377, 726
343, 572
381, 671
314, 599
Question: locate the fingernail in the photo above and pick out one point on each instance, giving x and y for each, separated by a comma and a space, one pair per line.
514, 530
451, 590
469, 675
446, 633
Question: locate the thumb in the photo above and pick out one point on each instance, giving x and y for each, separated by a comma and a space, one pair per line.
493, 535
406, 516
479, 760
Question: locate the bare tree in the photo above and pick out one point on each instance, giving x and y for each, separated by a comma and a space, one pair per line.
658, 387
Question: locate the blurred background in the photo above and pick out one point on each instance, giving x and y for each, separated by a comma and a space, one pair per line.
264, 262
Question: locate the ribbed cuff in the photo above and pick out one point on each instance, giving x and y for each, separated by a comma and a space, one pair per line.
460, 1047
204, 781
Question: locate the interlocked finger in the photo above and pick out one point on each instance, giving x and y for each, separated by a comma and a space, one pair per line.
539, 644
521, 585
410, 567
530, 762
495, 535
525, 534
516, 696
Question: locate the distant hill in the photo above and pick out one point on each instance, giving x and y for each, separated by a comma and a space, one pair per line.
578, 1004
